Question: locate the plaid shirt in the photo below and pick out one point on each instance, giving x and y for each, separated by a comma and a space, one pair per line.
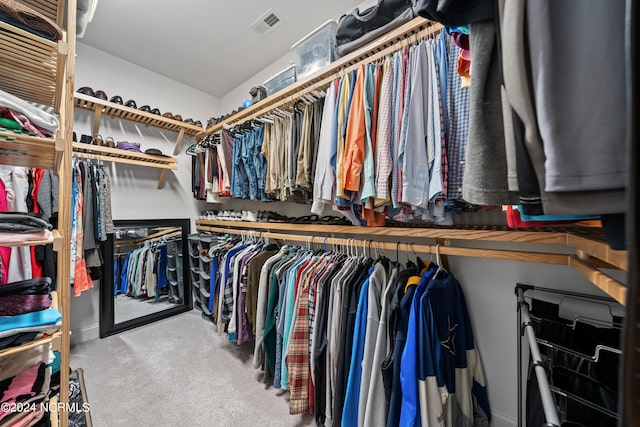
457, 126
384, 161
298, 356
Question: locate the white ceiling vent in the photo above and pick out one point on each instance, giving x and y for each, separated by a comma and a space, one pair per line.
268, 22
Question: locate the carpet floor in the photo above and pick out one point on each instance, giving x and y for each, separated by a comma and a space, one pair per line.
178, 372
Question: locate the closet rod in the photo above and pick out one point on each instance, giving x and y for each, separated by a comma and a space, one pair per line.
323, 84
364, 54
165, 234
525, 326
558, 259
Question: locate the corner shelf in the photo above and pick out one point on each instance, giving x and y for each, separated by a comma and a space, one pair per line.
100, 107
591, 252
35, 65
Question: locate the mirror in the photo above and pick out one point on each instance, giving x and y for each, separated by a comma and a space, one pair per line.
144, 274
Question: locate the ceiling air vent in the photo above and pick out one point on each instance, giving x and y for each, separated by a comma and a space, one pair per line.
268, 22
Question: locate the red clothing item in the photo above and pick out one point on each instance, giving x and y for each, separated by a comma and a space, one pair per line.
5, 252
514, 220
36, 177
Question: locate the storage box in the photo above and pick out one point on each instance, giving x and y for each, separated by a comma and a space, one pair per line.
316, 50
281, 80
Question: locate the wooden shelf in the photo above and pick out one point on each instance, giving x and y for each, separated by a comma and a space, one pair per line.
30, 151
32, 66
116, 155
53, 339
371, 52
54, 239
52, 9
591, 254
110, 109
53, 415
548, 237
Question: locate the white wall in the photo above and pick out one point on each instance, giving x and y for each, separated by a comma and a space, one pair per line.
134, 193
234, 98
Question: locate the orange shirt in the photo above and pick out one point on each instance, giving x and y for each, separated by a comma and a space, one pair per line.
354, 140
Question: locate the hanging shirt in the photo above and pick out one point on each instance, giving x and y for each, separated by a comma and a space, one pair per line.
324, 180
415, 177
368, 174
384, 159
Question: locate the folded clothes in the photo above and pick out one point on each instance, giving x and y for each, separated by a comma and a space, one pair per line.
6, 237
11, 365
35, 286
15, 305
36, 319
28, 19
45, 329
36, 116
19, 222
126, 145
18, 339
23, 386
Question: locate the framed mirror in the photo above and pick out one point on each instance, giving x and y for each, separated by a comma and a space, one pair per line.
145, 275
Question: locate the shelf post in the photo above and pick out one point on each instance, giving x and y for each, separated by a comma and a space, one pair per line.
97, 116
176, 149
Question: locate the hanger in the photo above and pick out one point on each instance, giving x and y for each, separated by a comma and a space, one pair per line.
596, 355
438, 261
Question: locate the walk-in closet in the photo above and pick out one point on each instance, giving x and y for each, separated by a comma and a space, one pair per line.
342, 213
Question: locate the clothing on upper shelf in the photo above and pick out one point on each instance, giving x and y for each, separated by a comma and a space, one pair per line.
26, 117
90, 223
328, 328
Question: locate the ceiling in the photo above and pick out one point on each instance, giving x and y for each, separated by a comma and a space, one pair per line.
205, 44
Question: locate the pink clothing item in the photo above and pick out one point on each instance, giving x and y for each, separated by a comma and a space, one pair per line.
22, 385
28, 419
7, 237
5, 252
25, 123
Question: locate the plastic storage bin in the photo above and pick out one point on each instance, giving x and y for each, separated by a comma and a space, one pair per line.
316, 50
281, 80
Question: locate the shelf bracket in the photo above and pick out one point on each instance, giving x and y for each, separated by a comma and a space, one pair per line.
97, 116
163, 179
59, 147
58, 241
612, 287
176, 149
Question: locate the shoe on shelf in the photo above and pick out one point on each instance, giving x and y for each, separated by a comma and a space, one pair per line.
116, 99
252, 216
131, 104
86, 90
101, 95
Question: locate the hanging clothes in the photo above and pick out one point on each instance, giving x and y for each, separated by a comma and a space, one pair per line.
355, 341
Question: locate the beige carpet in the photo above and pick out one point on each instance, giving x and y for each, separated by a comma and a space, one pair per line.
178, 372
